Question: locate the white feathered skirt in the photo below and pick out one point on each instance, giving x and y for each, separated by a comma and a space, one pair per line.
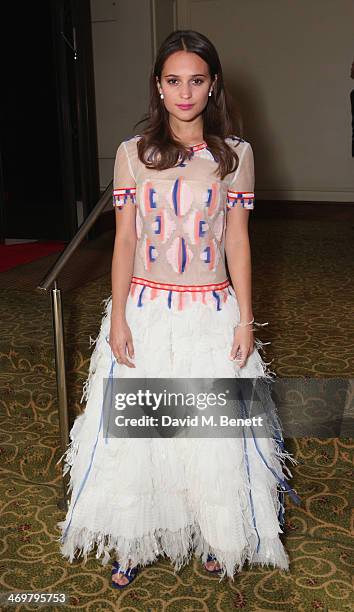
134, 499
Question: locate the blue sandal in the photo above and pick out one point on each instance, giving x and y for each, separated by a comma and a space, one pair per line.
214, 571
130, 573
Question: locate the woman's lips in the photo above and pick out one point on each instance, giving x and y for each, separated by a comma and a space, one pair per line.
185, 106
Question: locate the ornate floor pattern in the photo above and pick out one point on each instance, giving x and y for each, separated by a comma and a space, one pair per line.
302, 285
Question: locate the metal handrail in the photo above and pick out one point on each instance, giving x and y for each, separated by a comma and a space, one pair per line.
58, 326
84, 228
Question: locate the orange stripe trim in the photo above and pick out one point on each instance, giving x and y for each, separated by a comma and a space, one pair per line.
170, 287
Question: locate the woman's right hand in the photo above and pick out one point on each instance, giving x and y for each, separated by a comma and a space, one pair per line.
121, 342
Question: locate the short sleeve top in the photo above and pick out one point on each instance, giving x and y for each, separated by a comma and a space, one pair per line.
181, 216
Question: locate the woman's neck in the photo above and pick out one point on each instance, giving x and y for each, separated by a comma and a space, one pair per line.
190, 142
188, 138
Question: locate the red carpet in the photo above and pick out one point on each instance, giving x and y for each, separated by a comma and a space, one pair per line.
13, 255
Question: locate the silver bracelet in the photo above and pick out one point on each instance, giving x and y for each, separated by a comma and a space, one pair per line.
250, 323
244, 324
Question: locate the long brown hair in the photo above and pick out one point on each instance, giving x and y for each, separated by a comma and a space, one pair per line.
157, 148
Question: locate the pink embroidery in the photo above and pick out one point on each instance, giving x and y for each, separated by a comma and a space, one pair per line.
213, 199
196, 227
138, 224
179, 255
150, 198
219, 225
162, 225
179, 297
181, 197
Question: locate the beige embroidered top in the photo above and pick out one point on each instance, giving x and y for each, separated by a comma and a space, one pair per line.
181, 216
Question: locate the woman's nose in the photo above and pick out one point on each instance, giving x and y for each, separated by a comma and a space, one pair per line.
185, 91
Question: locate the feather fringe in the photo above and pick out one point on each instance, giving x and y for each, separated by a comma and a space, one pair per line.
178, 546
96, 353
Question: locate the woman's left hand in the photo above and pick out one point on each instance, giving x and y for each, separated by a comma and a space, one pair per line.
243, 344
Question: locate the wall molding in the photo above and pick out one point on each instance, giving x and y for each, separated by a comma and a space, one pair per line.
305, 195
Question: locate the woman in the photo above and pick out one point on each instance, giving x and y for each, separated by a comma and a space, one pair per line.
182, 195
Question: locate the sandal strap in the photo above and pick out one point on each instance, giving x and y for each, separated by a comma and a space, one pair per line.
130, 572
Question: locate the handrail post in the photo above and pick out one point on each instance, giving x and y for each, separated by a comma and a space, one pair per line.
58, 325
59, 348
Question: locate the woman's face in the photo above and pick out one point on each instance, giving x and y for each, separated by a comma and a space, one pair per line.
185, 83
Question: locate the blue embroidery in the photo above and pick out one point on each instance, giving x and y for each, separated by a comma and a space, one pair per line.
249, 479
284, 485
184, 254
140, 297
217, 297
92, 453
237, 138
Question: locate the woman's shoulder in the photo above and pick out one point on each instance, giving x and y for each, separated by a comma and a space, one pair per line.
127, 150
129, 143
236, 142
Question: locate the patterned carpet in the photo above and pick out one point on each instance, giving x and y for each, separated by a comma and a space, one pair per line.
302, 285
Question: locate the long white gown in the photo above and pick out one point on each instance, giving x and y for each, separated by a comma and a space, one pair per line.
137, 498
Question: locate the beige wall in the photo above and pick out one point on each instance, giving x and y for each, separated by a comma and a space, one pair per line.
286, 61
123, 54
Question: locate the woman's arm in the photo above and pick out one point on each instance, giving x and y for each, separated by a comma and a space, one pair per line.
124, 201
240, 200
238, 253
123, 260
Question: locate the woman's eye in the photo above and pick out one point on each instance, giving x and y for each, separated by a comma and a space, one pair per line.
171, 81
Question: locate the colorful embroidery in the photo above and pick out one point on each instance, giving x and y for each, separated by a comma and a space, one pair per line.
219, 225
181, 197
150, 198
211, 255
198, 147
194, 149
237, 197
177, 296
212, 199
237, 138
163, 226
120, 196
138, 224
149, 253
180, 225
179, 255
196, 227
138, 280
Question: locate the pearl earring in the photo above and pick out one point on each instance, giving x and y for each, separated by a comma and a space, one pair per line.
210, 92
161, 95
